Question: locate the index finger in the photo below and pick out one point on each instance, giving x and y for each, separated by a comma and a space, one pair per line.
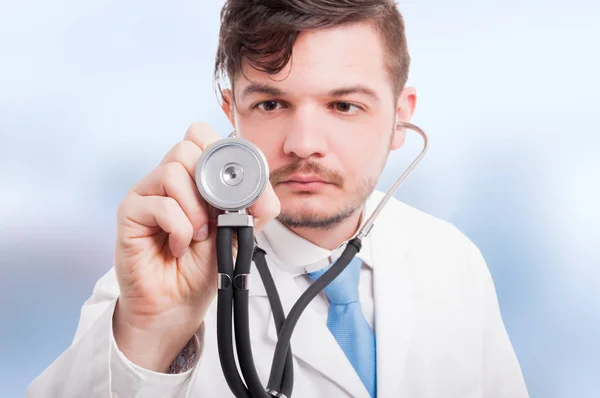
201, 134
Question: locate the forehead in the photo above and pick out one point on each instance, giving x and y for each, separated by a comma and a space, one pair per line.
326, 59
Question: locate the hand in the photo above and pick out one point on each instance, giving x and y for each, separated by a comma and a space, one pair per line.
165, 255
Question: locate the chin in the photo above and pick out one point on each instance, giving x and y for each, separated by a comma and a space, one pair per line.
314, 211
301, 203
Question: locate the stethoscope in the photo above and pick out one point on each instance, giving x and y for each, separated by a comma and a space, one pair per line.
231, 175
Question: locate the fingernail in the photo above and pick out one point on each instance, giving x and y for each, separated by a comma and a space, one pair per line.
201, 233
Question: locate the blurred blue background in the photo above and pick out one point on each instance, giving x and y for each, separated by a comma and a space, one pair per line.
93, 94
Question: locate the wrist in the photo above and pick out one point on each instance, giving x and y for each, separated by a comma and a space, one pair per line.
152, 342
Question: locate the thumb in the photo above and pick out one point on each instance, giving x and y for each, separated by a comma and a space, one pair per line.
265, 209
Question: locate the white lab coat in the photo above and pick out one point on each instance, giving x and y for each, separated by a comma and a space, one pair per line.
439, 331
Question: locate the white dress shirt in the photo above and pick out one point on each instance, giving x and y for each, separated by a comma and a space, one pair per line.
293, 250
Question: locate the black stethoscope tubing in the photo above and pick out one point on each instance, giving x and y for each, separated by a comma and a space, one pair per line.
233, 299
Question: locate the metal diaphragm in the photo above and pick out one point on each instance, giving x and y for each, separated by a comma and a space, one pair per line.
232, 174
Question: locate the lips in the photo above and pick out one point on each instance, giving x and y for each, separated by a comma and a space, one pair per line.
303, 179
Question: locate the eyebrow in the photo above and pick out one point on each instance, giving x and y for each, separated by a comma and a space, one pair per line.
357, 89
260, 88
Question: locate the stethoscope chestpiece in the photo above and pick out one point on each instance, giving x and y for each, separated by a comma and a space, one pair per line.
232, 174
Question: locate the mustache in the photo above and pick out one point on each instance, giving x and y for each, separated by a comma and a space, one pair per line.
283, 173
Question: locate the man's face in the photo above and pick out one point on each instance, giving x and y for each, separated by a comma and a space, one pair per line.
325, 123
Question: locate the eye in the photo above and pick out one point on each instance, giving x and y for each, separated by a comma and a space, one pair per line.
346, 108
268, 106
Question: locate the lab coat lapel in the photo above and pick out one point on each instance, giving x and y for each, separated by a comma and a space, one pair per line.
312, 342
394, 307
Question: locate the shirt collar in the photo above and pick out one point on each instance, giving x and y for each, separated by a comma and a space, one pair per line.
296, 255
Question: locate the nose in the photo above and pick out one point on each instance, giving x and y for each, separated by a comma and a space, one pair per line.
305, 135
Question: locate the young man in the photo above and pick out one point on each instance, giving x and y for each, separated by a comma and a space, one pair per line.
319, 87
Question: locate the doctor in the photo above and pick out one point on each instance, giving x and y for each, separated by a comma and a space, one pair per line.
319, 87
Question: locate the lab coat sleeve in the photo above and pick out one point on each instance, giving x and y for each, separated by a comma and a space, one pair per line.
94, 367
501, 373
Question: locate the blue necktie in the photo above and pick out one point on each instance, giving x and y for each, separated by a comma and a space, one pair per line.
347, 322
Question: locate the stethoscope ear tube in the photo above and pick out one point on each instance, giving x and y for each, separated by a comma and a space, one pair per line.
233, 292
241, 309
285, 335
287, 384
224, 313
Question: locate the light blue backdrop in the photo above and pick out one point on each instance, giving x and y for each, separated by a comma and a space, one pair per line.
93, 94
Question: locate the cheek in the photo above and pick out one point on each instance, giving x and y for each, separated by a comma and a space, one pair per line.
361, 155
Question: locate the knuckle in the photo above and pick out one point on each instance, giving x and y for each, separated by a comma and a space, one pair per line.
186, 148
172, 155
171, 172
122, 210
182, 151
185, 153
168, 206
173, 168
126, 204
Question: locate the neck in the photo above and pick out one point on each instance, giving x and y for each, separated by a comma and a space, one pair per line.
331, 238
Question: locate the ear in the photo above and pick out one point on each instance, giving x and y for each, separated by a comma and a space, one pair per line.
227, 105
405, 108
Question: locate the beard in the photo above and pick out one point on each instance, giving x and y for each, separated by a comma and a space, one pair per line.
308, 217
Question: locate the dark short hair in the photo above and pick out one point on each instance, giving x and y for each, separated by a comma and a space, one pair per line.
264, 32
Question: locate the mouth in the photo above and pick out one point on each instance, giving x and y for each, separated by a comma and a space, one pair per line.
304, 179
305, 183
